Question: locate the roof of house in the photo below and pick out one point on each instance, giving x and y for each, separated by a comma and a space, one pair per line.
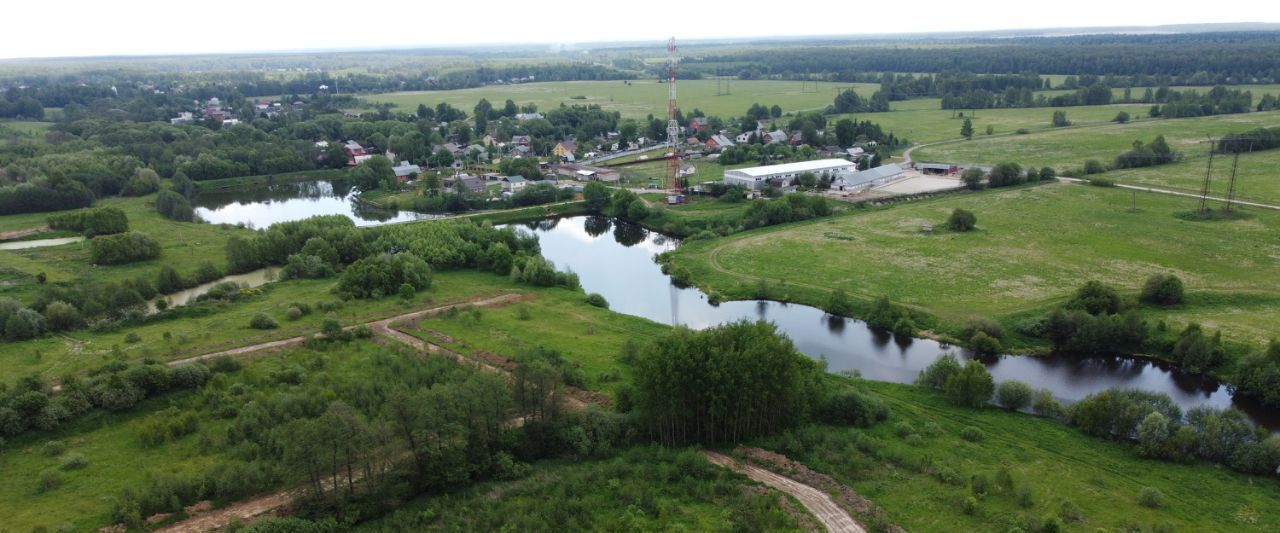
701, 121
792, 168
352, 145
569, 145
521, 139
778, 136
405, 169
513, 179
722, 140
934, 166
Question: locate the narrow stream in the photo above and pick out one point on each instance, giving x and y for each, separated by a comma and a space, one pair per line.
615, 259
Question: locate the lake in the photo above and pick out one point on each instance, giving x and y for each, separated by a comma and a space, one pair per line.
261, 207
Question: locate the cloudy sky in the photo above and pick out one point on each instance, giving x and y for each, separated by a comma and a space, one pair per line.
53, 28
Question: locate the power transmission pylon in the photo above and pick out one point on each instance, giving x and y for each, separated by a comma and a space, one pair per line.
1208, 177
673, 125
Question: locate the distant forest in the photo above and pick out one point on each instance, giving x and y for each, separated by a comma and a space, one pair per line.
1187, 59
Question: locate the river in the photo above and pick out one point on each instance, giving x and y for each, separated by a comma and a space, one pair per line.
261, 207
615, 259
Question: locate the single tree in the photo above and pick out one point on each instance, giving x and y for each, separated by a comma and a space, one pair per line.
962, 220
966, 129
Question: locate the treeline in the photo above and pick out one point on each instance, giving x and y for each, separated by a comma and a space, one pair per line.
91, 222
1152, 421
1192, 103
1097, 94
116, 386
1249, 141
1188, 59
1157, 152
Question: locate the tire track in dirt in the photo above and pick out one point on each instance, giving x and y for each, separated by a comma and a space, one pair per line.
819, 504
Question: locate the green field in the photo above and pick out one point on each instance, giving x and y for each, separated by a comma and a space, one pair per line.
639, 99
25, 128
1032, 247
1257, 175
1053, 462
1070, 147
922, 121
185, 246
642, 489
226, 327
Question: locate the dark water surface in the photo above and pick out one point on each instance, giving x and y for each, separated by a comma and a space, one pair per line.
263, 206
615, 259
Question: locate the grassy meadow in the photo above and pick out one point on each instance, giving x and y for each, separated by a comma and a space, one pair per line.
1032, 247
922, 480
923, 120
638, 99
1064, 148
1257, 177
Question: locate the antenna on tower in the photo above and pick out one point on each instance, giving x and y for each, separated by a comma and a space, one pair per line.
673, 125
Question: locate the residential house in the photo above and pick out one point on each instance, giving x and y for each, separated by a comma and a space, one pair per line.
488, 140
520, 150
524, 117
744, 137
513, 184
717, 142
473, 184
777, 136
588, 173
355, 153
565, 148
405, 171
185, 117
521, 140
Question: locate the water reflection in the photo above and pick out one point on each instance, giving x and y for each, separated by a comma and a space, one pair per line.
261, 207
622, 269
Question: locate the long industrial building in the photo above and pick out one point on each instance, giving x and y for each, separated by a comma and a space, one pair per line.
755, 178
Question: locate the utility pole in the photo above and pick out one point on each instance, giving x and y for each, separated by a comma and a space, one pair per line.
1208, 176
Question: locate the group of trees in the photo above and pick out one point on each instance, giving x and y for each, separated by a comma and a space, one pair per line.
91, 222
116, 386
1095, 321
1192, 103
1249, 141
123, 248
1005, 174
1157, 152
724, 384
1159, 429
848, 101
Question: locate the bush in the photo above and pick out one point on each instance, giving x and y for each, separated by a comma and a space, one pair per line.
1022, 131
597, 300
73, 461
261, 321
1013, 395
1101, 182
972, 434
189, 376
971, 386
293, 313
992, 328
962, 220
91, 222
1024, 497
970, 505
49, 479
984, 344
1150, 497
123, 248
903, 429
53, 448
1162, 289
132, 338
1093, 166
1095, 298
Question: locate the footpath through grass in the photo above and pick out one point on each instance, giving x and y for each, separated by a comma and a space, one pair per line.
920, 469
1032, 248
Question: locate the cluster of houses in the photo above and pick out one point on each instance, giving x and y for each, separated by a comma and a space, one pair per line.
213, 109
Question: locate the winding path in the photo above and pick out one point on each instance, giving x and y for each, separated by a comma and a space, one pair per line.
819, 504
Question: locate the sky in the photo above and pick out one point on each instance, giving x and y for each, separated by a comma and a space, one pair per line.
60, 28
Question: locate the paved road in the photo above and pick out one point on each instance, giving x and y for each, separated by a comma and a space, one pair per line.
819, 504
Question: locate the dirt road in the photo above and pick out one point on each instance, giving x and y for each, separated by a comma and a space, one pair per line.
20, 233
819, 504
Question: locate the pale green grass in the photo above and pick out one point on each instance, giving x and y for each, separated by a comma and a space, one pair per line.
639, 99
1070, 147
1032, 247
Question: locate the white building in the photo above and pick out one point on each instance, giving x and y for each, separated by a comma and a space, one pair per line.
755, 177
864, 179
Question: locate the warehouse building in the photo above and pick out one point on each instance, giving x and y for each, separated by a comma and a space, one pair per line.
755, 178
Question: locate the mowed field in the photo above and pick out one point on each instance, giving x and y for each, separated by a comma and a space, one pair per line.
1257, 176
1065, 148
1032, 248
923, 120
639, 98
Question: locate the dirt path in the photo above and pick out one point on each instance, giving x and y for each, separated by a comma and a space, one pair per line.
247, 510
819, 504
20, 233
1142, 188
377, 325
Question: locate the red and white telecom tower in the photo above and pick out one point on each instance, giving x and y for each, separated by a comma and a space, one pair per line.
673, 126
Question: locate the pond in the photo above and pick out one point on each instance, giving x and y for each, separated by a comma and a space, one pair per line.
38, 243
283, 202
615, 259
256, 278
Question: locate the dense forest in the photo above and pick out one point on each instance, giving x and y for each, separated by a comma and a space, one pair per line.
1190, 59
